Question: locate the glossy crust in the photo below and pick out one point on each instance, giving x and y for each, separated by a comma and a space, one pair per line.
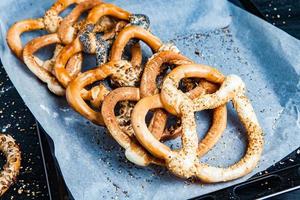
45, 70
77, 95
148, 87
76, 46
158, 122
49, 22
45, 73
66, 30
134, 152
13, 162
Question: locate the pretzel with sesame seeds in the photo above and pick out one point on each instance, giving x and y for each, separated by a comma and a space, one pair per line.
50, 22
13, 162
158, 122
44, 69
184, 162
90, 42
134, 152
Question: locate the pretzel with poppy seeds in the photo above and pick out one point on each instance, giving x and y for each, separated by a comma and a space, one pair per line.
122, 72
50, 22
11, 169
44, 70
91, 43
68, 28
184, 162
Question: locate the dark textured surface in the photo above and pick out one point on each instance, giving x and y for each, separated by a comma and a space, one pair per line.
17, 121
285, 14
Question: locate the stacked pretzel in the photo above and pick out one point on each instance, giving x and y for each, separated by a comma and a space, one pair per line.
119, 92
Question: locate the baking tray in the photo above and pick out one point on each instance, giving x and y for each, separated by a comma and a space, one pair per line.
278, 179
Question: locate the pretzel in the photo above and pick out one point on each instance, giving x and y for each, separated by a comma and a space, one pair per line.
120, 71
13, 162
184, 162
148, 87
49, 22
44, 70
77, 94
77, 46
125, 137
66, 30
133, 151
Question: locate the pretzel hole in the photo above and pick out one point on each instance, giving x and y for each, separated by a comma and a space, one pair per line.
187, 84
46, 53
232, 145
89, 62
30, 35
68, 10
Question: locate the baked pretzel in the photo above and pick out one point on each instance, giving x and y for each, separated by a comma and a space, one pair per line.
68, 28
49, 22
77, 94
91, 44
133, 150
121, 71
184, 162
13, 162
158, 122
44, 70
148, 87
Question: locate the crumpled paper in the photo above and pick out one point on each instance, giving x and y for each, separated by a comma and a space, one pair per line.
211, 32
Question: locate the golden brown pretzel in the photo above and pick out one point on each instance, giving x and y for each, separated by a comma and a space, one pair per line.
184, 162
49, 22
133, 150
44, 70
148, 87
46, 74
77, 46
76, 93
13, 162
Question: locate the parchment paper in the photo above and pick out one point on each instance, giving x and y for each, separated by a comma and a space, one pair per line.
211, 32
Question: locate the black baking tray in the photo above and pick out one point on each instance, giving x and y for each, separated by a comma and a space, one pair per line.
16, 120
41, 178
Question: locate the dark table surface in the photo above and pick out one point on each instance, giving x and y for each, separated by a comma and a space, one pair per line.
17, 120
